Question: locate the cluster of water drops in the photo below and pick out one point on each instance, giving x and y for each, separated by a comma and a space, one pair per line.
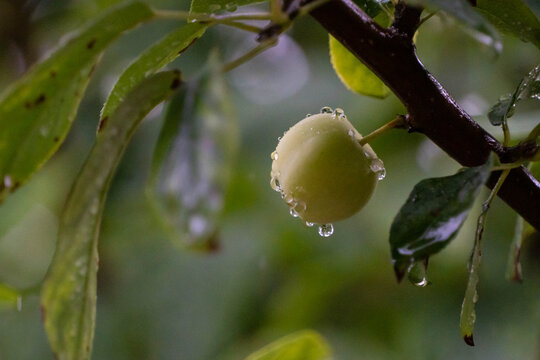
296, 207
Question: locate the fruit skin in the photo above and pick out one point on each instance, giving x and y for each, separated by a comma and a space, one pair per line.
323, 172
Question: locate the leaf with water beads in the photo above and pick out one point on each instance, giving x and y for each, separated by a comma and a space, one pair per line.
433, 215
528, 88
192, 161
69, 291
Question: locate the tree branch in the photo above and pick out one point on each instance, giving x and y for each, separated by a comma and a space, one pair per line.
391, 54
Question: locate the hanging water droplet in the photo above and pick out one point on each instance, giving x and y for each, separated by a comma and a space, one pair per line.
293, 213
279, 138
326, 230
300, 207
326, 110
338, 113
274, 155
274, 184
308, 115
309, 224
417, 274
377, 167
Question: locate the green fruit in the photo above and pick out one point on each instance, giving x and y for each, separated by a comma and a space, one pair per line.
322, 171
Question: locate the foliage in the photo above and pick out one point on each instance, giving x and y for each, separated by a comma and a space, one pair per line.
193, 158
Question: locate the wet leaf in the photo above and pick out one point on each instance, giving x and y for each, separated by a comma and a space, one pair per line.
465, 13
468, 312
374, 7
522, 231
212, 6
513, 267
151, 60
512, 17
432, 216
9, 297
354, 74
304, 345
192, 161
36, 112
69, 292
529, 87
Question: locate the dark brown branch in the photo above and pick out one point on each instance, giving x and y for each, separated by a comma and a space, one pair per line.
406, 19
391, 54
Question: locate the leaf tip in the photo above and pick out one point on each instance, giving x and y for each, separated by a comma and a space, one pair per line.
399, 272
177, 80
468, 338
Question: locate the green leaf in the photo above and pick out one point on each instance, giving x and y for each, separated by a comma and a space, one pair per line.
192, 161
522, 231
351, 71
354, 74
150, 61
433, 215
213, 6
465, 13
37, 111
529, 87
512, 17
513, 267
9, 297
69, 292
468, 312
303, 345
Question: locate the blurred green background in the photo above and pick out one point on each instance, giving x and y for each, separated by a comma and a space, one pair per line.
272, 275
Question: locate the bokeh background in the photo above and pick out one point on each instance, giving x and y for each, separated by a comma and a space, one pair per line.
272, 275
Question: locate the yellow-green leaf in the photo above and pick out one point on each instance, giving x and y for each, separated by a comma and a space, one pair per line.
37, 111
303, 345
354, 74
69, 292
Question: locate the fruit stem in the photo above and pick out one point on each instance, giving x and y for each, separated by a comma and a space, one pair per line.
399, 121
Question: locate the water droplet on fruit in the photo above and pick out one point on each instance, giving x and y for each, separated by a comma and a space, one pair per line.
326, 230
309, 224
326, 110
274, 184
377, 167
274, 155
351, 134
339, 114
293, 213
308, 115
